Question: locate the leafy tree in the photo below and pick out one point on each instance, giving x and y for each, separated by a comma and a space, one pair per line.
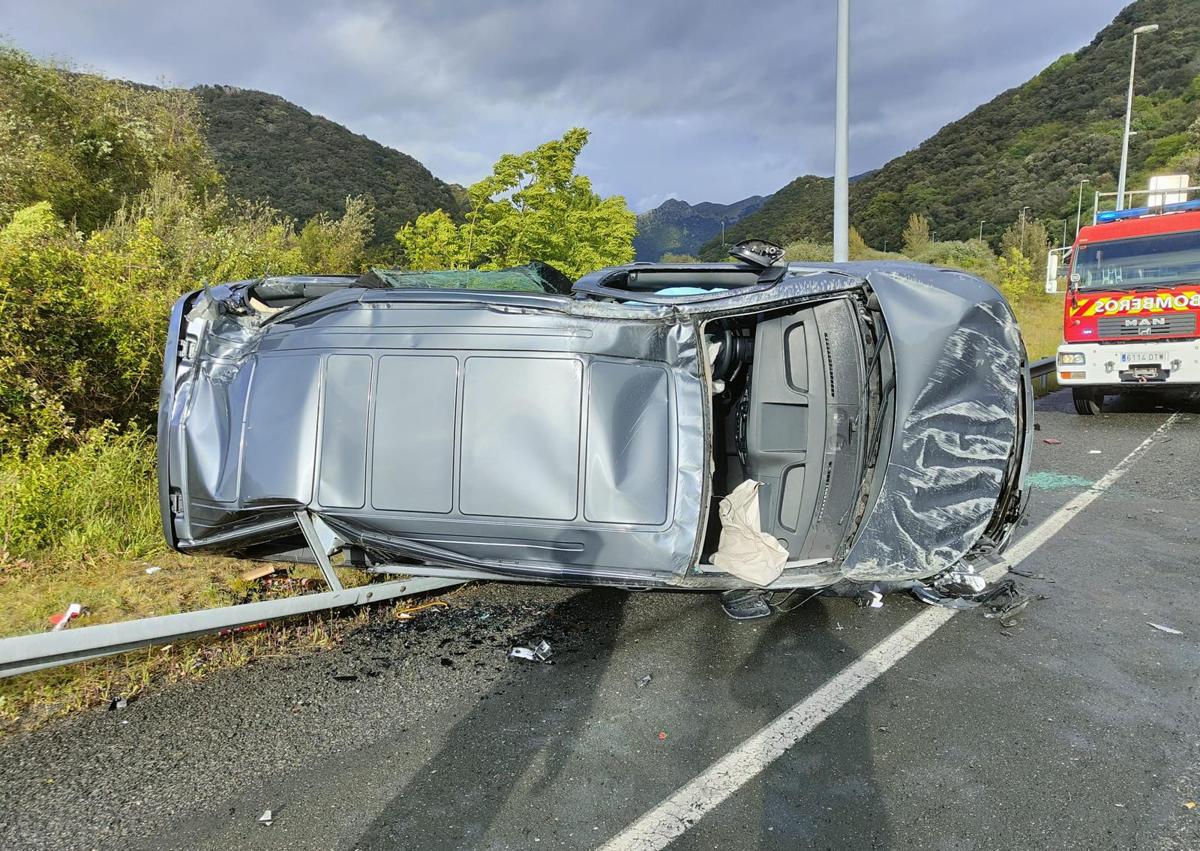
916, 235
331, 246
45, 344
532, 207
1031, 240
85, 144
432, 242
1015, 275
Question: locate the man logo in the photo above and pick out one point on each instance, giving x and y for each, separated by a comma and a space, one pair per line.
1146, 322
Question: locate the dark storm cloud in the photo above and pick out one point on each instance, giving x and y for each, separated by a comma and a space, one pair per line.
701, 100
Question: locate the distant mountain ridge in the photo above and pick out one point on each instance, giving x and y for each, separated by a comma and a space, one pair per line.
1029, 146
268, 148
677, 227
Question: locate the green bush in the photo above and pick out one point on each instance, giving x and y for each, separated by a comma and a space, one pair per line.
99, 495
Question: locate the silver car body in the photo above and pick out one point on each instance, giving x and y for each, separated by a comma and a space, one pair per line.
587, 437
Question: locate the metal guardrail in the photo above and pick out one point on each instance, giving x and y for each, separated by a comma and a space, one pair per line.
1042, 373
25, 653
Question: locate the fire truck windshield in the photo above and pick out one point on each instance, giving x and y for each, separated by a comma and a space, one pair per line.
1142, 262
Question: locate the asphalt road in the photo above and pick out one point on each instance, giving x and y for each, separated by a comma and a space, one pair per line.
1077, 728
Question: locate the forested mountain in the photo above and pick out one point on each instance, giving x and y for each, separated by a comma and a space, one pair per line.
1030, 146
677, 227
270, 149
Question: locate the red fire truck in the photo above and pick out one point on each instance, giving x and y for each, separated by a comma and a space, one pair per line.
1132, 303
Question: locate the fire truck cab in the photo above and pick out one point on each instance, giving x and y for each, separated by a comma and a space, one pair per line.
1132, 304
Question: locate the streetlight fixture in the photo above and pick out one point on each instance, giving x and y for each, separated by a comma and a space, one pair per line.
1079, 206
1023, 209
981, 221
1143, 30
841, 139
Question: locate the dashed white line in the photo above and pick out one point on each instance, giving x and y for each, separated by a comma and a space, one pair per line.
673, 817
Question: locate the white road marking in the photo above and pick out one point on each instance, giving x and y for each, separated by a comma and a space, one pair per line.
674, 816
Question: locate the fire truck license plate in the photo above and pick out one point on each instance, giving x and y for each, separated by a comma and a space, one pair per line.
1142, 360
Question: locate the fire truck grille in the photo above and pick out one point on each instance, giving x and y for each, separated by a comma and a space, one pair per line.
1162, 325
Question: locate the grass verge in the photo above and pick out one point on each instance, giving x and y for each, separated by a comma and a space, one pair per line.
1041, 319
113, 590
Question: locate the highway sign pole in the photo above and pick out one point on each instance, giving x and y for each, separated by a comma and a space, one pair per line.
841, 140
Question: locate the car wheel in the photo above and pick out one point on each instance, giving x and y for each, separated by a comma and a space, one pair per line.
1087, 401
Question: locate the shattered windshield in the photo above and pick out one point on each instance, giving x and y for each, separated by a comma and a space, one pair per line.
1149, 261
533, 277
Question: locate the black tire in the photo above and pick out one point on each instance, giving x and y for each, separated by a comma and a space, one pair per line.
1087, 401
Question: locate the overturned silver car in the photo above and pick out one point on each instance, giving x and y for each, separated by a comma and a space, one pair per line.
698, 426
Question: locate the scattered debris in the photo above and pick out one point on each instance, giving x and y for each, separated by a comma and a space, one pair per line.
152, 569
541, 652
256, 573
662, 735
959, 582
1026, 575
410, 612
1093, 452
1189, 805
345, 677
1004, 601
645, 681
117, 703
250, 627
267, 818
872, 600
1051, 441
1037, 426
1169, 630
60, 620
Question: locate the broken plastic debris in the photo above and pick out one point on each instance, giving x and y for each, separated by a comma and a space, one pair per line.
1051, 441
266, 818
645, 681
1093, 452
962, 582
870, 599
1189, 805
1169, 630
61, 619
117, 703
408, 613
662, 735
540, 652
152, 569
261, 572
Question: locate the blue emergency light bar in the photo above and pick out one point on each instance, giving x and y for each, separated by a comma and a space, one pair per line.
1138, 212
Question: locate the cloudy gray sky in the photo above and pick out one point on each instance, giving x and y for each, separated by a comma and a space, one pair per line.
693, 99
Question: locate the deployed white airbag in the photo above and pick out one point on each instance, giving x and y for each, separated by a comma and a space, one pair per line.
746, 551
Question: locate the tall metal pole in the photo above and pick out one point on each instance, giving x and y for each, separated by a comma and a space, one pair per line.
1079, 206
841, 139
981, 221
1149, 28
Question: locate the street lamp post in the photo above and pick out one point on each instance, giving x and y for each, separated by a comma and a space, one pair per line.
981, 221
1079, 206
1148, 28
1023, 209
841, 139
